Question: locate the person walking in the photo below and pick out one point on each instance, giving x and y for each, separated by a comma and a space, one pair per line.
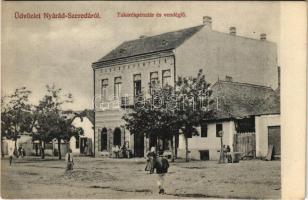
20, 151
161, 165
69, 160
11, 154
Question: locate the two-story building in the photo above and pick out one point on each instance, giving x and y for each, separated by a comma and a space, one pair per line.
126, 71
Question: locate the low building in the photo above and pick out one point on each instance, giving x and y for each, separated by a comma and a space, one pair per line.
83, 145
248, 115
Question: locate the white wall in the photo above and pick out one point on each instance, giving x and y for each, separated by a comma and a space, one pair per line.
262, 123
211, 142
87, 127
73, 146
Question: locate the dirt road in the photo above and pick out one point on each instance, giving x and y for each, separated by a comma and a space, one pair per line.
126, 178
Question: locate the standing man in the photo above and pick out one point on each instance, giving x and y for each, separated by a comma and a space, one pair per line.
69, 160
11, 153
162, 166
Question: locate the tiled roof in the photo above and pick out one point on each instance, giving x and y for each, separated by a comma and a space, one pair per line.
70, 114
239, 100
165, 41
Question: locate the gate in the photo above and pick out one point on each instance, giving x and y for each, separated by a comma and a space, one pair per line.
246, 144
274, 139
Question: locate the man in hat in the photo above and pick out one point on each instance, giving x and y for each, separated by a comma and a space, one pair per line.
161, 165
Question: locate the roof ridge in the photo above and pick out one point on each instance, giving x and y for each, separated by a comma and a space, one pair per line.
246, 84
164, 33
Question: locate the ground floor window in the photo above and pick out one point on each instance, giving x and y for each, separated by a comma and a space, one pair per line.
204, 155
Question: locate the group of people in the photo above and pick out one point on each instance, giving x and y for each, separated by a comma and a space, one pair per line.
161, 164
122, 152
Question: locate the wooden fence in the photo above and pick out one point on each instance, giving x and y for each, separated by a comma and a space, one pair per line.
246, 144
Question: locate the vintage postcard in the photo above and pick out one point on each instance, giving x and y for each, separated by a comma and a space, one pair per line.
153, 100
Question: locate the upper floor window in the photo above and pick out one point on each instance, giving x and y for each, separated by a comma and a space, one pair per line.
166, 79
218, 130
137, 85
117, 87
203, 130
104, 89
153, 80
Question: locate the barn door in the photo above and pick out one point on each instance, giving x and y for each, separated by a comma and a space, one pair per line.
274, 138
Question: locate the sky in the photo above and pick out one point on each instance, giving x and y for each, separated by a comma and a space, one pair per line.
40, 52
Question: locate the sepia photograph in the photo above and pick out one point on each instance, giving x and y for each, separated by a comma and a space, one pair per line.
142, 100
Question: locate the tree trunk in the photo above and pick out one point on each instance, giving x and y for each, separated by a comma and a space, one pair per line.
172, 150
186, 148
42, 150
15, 147
221, 157
176, 146
59, 149
2, 153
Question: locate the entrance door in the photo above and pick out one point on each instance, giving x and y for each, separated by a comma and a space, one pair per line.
139, 145
83, 143
117, 137
274, 138
104, 139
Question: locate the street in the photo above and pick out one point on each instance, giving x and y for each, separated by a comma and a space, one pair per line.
31, 177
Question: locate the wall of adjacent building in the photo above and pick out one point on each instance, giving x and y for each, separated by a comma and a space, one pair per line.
262, 123
221, 54
210, 143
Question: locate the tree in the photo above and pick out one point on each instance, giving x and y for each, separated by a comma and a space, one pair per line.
16, 114
51, 123
169, 110
193, 96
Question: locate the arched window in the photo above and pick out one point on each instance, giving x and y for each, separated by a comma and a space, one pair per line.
104, 139
117, 136
166, 79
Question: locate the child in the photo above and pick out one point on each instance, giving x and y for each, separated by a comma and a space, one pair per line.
69, 160
161, 165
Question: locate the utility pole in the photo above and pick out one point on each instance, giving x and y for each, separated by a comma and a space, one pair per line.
221, 157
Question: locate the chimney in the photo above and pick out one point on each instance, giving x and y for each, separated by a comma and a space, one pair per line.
142, 36
232, 30
263, 36
207, 21
229, 78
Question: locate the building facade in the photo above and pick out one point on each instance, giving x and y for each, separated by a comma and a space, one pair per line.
125, 72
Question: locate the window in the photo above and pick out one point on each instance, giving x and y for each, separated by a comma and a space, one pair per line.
117, 87
137, 85
153, 80
77, 142
104, 89
218, 129
203, 130
166, 77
